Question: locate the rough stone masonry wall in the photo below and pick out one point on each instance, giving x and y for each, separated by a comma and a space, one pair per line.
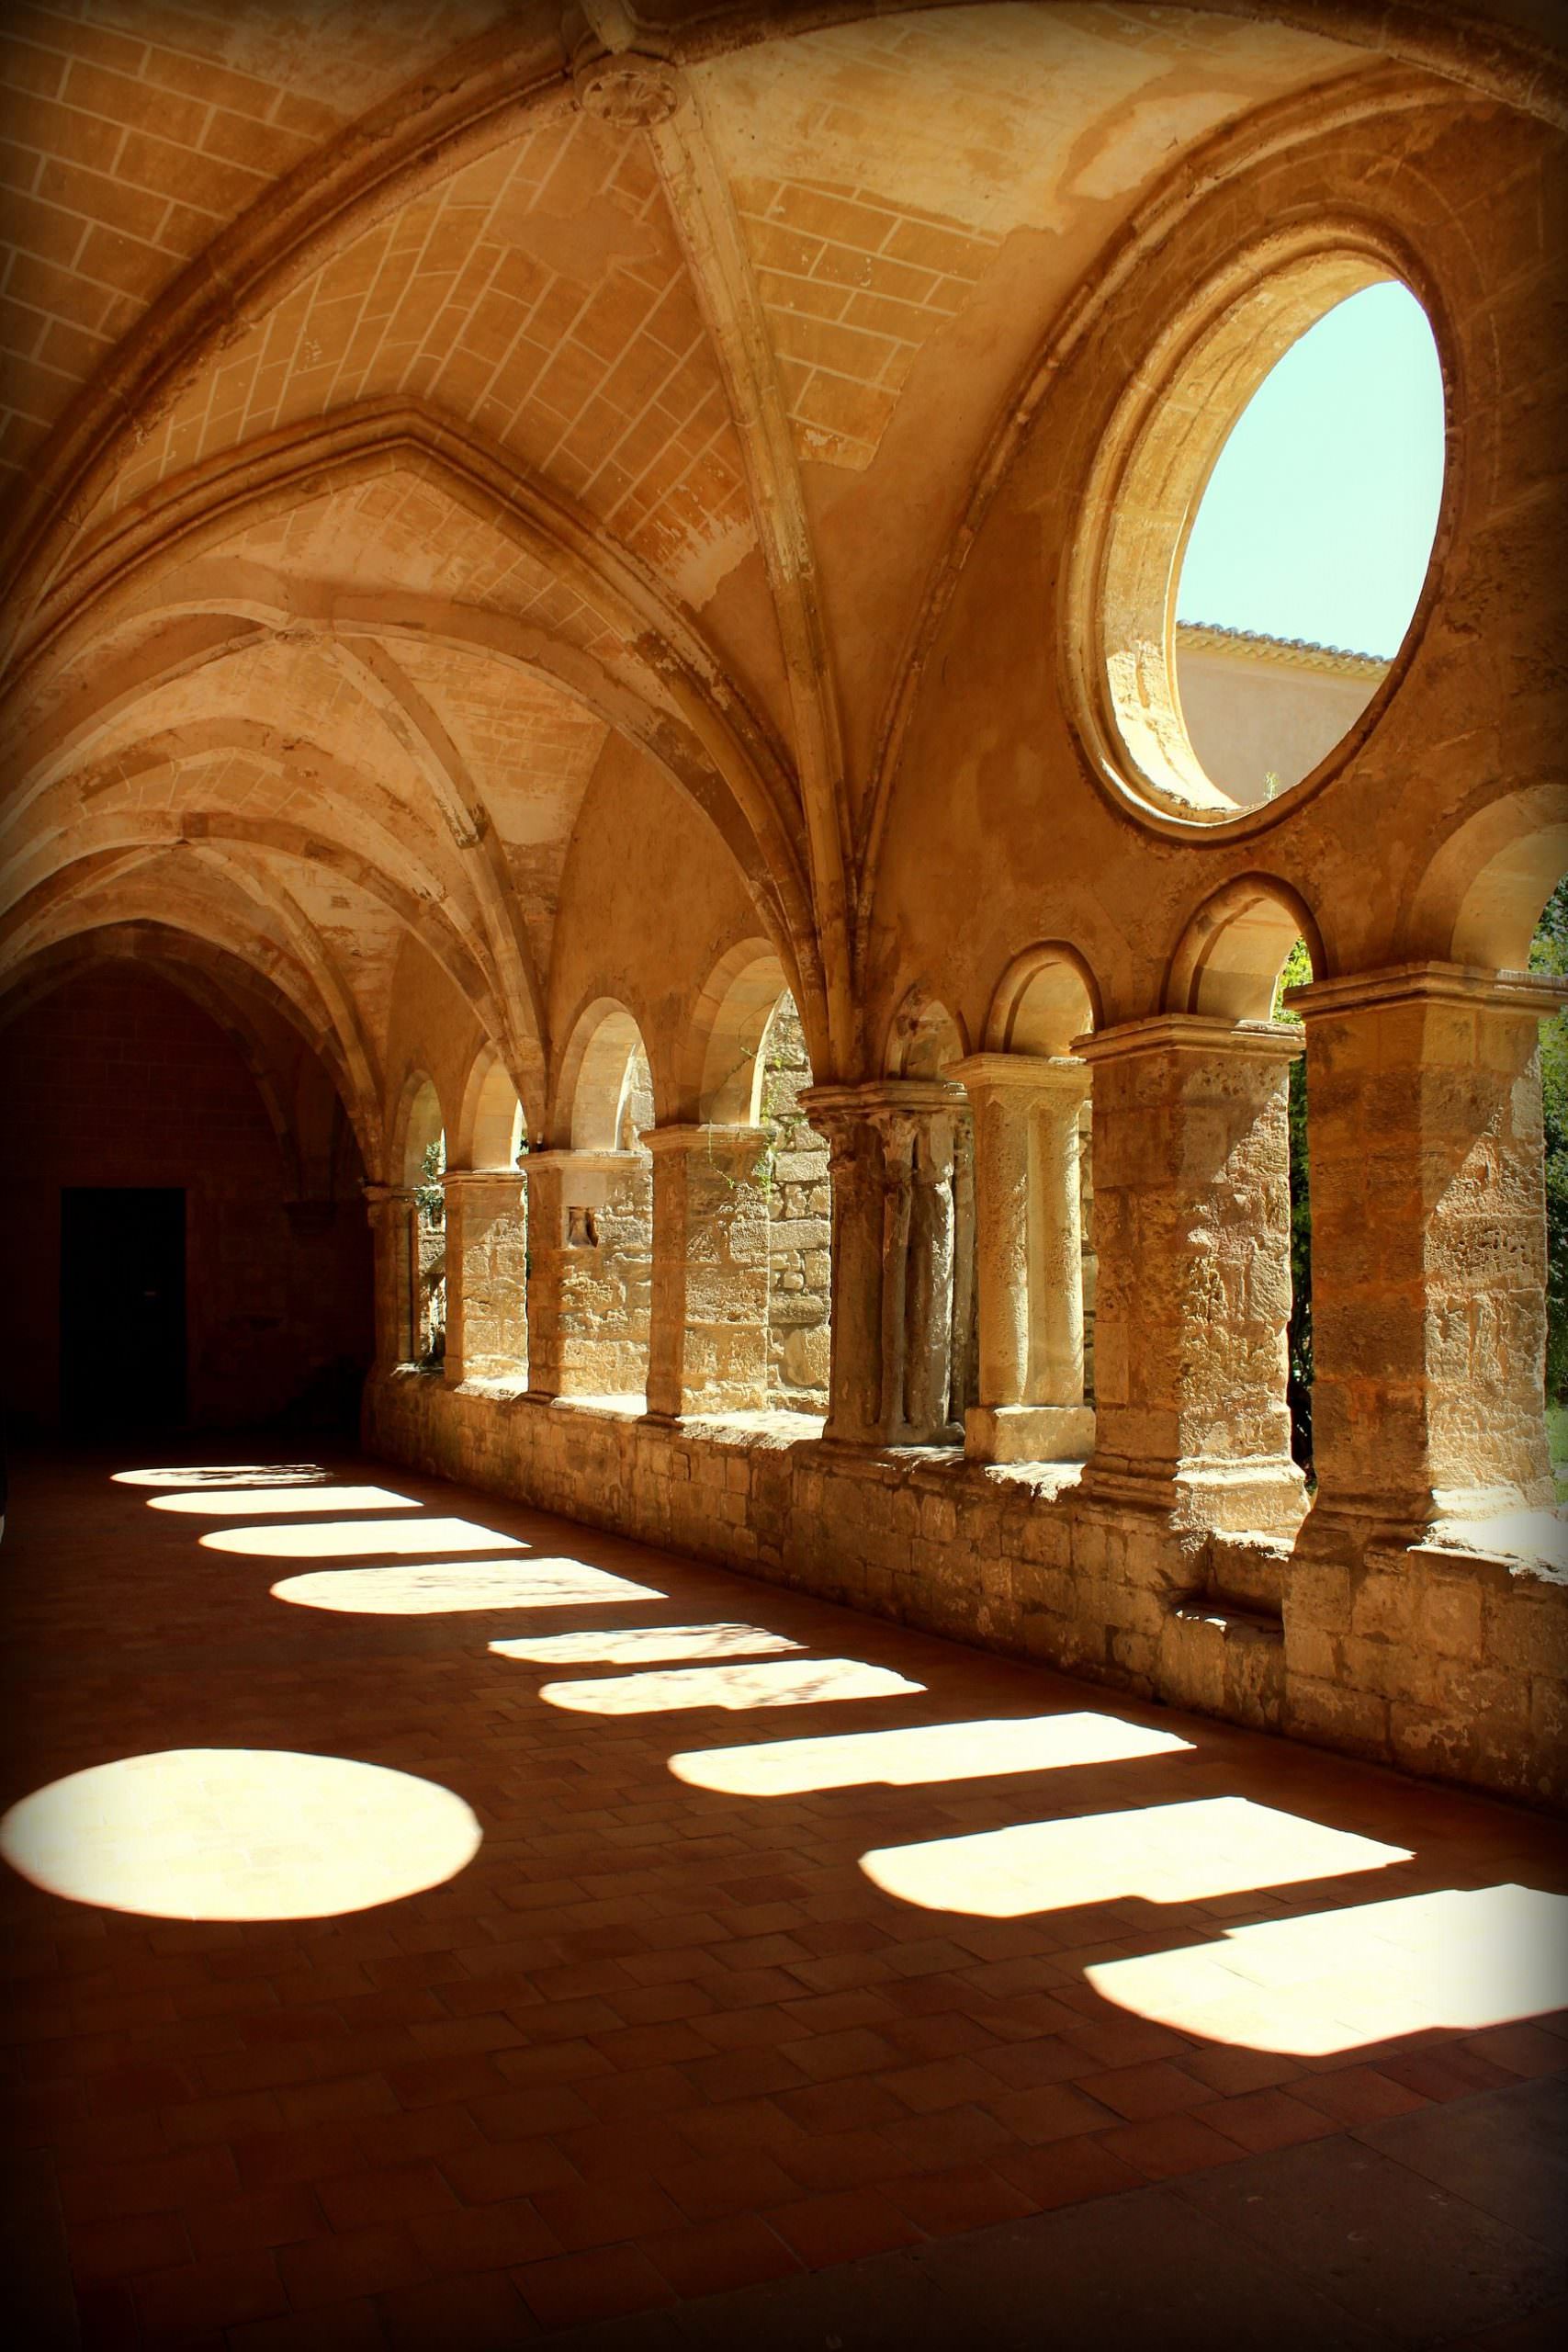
1446, 1663
800, 1212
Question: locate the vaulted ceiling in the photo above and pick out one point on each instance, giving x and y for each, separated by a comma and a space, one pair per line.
405, 397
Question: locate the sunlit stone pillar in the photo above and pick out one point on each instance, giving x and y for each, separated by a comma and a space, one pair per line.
589, 1272
487, 1333
1030, 1232
894, 1155
708, 1343
1192, 1215
931, 1263
391, 1210
1428, 1244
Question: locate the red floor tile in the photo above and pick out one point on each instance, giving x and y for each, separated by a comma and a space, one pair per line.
970, 2197
1355, 2095
654, 2039
574, 2288
1169, 2146
714, 2257
842, 2227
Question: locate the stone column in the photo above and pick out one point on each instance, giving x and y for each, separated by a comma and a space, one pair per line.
892, 1147
1026, 1110
1191, 1172
1429, 1227
709, 1345
391, 1211
589, 1272
486, 1330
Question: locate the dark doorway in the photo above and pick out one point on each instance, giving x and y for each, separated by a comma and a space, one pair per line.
122, 1308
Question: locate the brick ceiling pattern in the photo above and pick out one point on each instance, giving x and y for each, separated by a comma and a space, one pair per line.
596, 373
133, 131
852, 285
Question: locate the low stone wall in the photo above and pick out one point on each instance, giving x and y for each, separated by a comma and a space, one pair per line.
1447, 1662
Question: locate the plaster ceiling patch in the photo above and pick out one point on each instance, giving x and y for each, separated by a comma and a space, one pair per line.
878, 168
970, 114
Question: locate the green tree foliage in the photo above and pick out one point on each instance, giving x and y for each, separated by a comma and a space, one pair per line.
428, 1193
1548, 953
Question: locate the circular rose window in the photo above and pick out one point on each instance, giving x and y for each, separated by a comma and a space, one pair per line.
1258, 535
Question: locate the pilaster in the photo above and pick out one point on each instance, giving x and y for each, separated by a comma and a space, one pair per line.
487, 1333
590, 1264
390, 1210
1192, 1234
1429, 1246
708, 1341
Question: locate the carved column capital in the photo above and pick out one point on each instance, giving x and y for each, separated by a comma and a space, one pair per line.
384, 1200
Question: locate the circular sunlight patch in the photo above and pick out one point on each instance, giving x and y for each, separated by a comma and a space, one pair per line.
238, 1833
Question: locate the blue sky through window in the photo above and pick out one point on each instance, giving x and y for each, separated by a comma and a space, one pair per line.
1318, 519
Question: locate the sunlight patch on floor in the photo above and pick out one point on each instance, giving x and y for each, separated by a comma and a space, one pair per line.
1163, 1853
645, 1646
217, 1504
438, 1586
922, 1754
238, 1833
334, 1542
794, 1684
1338, 1980
228, 1473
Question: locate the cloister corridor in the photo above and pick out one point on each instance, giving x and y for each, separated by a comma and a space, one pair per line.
724, 1968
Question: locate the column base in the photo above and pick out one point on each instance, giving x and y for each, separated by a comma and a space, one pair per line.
1266, 1497
1512, 1523
1029, 1433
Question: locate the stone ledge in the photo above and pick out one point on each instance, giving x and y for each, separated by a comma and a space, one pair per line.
1447, 1663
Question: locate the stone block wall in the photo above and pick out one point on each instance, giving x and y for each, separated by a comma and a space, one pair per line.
1450, 1664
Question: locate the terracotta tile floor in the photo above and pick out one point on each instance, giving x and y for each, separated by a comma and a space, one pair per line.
789, 1939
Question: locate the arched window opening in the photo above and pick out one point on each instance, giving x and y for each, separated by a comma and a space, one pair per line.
1266, 550
424, 1164
634, 1110
590, 1211
1297, 974
755, 1067
487, 1249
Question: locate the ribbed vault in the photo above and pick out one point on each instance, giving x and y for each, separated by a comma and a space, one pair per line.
404, 413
